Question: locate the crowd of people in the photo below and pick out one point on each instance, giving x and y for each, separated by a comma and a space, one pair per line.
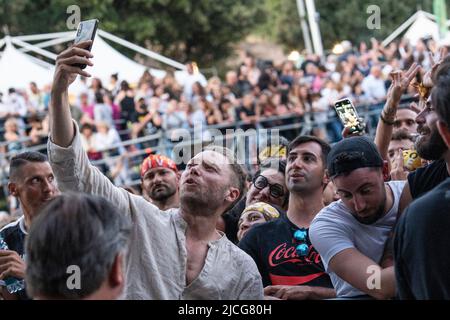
325, 215
255, 95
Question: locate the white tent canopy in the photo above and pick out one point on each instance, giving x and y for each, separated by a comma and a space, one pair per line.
18, 69
107, 61
421, 28
420, 25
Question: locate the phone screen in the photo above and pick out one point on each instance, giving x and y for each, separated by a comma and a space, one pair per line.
347, 114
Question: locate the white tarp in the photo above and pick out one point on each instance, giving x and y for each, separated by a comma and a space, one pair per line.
421, 28
108, 61
17, 70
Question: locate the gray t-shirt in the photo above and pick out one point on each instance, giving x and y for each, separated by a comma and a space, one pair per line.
334, 229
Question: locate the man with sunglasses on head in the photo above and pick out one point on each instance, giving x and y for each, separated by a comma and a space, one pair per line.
289, 265
268, 186
351, 234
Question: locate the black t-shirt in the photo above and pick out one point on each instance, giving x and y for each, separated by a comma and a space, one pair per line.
421, 247
150, 128
272, 246
424, 179
244, 87
14, 237
127, 107
249, 112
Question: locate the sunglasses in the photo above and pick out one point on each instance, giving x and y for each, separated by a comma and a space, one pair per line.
301, 249
276, 190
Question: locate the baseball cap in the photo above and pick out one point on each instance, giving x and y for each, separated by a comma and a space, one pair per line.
157, 161
353, 153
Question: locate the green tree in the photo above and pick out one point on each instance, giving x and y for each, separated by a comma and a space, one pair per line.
201, 30
338, 20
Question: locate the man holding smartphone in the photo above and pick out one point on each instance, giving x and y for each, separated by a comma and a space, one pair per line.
175, 254
350, 234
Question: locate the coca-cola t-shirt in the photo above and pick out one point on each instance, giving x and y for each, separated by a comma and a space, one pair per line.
273, 247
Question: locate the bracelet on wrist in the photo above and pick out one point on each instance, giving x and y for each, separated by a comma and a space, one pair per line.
388, 122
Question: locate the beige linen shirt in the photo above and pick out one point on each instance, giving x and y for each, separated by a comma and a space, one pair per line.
156, 258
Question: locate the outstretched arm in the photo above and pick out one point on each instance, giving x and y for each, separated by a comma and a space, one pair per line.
385, 125
61, 126
69, 161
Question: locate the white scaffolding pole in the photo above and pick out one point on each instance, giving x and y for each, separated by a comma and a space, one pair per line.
49, 43
314, 25
43, 52
45, 36
400, 29
141, 50
304, 25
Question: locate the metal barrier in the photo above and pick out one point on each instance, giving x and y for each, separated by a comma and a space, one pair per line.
369, 113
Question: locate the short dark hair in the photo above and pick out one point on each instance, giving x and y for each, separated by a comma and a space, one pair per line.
87, 126
325, 147
74, 229
440, 96
272, 163
21, 159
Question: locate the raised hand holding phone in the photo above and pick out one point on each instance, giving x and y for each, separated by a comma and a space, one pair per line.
353, 125
86, 31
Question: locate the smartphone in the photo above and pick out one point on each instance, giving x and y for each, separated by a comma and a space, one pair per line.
348, 115
86, 31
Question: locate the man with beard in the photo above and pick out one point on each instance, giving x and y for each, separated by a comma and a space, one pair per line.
31, 180
429, 144
159, 181
421, 238
290, 266
176, 254
350, 234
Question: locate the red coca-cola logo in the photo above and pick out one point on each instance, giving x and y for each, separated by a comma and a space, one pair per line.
284, 254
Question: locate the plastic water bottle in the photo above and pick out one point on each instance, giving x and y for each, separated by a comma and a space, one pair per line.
12, 284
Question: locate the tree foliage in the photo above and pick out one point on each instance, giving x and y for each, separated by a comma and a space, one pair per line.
201, 30
338, 20
205, 30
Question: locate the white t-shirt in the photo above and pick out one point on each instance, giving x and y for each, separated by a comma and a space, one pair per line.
374, 87
334, 229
